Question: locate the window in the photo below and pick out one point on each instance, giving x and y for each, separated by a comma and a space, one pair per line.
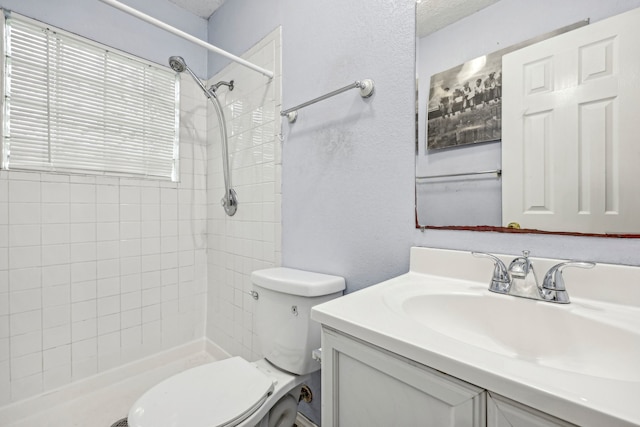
72, 105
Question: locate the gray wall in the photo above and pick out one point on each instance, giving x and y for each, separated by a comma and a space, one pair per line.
348, 163
102, 23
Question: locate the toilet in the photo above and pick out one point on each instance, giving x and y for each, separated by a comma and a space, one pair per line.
235, 392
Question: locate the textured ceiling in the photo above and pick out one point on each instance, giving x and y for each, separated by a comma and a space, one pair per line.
202, 8
433, 15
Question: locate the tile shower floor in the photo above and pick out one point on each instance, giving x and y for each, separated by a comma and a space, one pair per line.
103, 407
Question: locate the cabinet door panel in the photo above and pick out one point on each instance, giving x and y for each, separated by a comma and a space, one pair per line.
503, 412
366, 386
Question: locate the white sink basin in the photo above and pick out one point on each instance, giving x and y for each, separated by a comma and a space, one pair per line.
574, 337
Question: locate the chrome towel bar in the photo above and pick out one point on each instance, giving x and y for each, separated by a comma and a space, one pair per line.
366, 90
497, 172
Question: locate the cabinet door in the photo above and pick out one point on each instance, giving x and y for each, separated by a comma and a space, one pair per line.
363, 385
503, 412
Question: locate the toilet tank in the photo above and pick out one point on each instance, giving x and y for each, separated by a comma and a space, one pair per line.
283, 325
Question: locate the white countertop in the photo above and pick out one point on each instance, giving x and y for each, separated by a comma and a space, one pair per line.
374, 315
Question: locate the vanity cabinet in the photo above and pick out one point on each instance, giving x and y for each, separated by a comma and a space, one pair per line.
364, 385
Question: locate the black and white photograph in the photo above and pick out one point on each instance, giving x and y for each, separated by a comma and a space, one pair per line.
465, 102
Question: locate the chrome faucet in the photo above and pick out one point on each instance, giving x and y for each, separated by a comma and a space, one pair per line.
513, 280
501, 280
553, 288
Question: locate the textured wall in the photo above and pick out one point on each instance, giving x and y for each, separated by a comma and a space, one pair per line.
347, 172
347, 161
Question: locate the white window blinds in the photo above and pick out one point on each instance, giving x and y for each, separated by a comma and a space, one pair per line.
75, 106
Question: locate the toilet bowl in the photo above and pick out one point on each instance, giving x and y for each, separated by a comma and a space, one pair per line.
235, 392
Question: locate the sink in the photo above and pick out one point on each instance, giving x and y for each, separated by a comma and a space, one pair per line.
579, 338
577, 361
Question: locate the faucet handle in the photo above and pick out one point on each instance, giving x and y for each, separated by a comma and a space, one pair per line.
553, 288
554, 281
500, 281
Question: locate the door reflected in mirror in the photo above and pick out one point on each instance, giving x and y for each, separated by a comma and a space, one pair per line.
562, 157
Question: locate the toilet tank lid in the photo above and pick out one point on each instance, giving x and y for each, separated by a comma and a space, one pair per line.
297, 282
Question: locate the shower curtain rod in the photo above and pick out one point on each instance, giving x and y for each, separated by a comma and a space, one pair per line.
187, 36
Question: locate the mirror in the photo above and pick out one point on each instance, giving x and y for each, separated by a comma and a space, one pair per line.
465, 138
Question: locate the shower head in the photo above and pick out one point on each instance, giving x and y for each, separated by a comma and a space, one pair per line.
177, 64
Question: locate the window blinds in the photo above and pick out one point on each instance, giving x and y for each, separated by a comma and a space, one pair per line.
75, 106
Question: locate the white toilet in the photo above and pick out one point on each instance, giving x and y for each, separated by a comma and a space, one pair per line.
234, 392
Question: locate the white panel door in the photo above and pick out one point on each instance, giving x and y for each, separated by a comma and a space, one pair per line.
571, 130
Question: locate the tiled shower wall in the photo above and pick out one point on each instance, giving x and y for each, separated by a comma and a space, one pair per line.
250, 240
96, 272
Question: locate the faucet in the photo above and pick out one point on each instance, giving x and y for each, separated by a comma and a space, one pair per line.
553, 288
520, 271
501, 280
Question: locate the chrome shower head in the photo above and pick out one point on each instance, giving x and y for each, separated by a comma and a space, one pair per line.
177, 64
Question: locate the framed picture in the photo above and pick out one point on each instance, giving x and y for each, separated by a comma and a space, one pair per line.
465, 102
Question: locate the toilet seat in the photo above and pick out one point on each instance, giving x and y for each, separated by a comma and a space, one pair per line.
220, 394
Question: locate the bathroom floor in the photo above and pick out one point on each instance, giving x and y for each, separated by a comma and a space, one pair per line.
105, 406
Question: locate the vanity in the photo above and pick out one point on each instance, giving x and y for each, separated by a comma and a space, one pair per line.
435, 347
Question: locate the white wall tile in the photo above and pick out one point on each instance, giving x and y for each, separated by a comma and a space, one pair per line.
56, 357
56, 377
107, 194
22, 345
55, 255
21, 301
83, 291
26, 386
24, 213
84, 330
24, 235
82, 263
54, 234
54, 316
24, 191
56, 336
82, 233
82, 193
55, 192
55, 213
53, 296
56, 275
25, 366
